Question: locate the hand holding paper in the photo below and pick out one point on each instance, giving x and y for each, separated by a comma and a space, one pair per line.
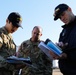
16, 60
61, 44
50, 49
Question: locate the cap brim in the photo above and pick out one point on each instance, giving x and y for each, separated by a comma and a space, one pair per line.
18, 25
55, 18
58, 14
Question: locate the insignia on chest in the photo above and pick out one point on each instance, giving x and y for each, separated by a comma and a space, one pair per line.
63, 34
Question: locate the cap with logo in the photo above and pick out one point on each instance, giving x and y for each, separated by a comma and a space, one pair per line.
59, 10
15, 18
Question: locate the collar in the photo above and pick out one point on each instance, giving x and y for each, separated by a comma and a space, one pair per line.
5, 30
36, 41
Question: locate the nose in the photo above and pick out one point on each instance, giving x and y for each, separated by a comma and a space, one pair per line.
35, 34
14, 28
62, 18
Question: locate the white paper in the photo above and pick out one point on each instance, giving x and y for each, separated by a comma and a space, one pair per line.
45, 49
49, 51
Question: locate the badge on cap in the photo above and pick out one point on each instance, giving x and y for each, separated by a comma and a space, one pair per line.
56, 11
19, 19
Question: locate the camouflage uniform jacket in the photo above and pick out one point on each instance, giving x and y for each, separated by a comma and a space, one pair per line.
7, 48
42, 64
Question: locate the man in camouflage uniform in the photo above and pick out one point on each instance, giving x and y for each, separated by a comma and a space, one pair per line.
42, 64
7, 45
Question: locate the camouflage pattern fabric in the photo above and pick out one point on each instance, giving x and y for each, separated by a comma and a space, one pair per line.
7, 48
42, 64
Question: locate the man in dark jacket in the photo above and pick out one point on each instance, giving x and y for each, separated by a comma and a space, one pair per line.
67, 40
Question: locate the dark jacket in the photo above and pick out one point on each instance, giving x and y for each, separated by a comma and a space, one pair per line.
68, 35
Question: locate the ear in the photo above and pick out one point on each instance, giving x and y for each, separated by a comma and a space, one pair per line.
41, 34
7, 20
69, 9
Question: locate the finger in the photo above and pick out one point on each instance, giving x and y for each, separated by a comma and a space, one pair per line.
66, 44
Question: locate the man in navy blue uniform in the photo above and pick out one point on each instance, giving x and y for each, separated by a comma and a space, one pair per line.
67, 40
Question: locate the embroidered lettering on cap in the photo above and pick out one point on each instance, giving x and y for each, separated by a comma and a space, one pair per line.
56, 11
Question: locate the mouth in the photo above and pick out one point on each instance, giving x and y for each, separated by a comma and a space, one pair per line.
65, 21
12, 31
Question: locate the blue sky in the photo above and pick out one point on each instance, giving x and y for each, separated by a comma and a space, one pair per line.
34, 12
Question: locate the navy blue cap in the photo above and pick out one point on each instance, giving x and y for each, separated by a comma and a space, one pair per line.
15, 18
59, 10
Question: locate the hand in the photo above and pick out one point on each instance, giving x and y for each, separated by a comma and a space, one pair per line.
63, 56
62, 45
19, 66
55, 56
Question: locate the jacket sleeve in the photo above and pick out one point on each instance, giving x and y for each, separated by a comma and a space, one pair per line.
71, 54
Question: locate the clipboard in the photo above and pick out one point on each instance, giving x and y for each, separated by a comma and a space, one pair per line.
50, 49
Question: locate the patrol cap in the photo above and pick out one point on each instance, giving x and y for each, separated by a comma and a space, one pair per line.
59, 10
15, 18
